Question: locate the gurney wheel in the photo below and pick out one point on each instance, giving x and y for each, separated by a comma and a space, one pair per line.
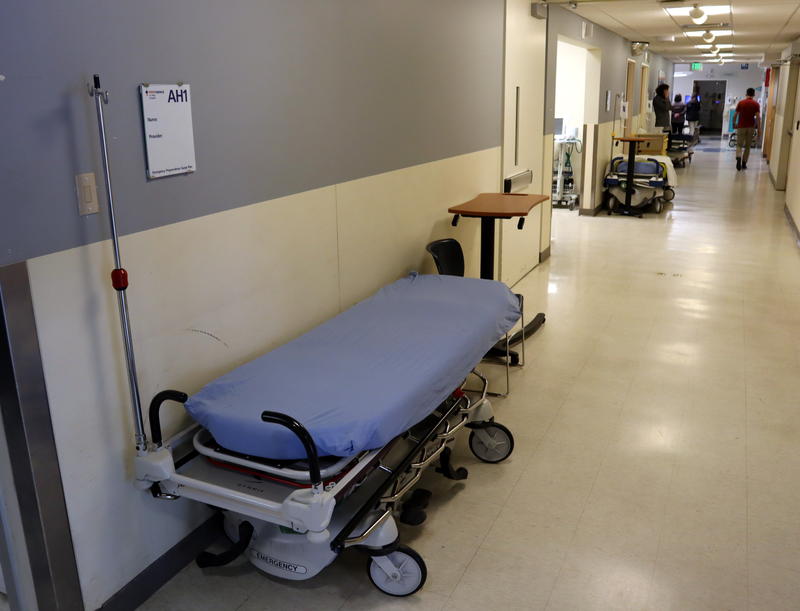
669, 195
410, 574
496, 448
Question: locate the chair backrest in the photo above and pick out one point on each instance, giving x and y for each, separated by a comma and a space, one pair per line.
448, 256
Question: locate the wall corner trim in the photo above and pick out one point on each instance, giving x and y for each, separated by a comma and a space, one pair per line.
544, 255
792, 224
37, 493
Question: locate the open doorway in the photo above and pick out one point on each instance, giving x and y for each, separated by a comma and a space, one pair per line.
712, 105
570, 118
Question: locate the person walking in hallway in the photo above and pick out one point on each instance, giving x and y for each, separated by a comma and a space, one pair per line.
678, 115
662, 107
746, 122
693, 117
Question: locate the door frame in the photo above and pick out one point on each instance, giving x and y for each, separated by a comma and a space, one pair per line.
630, 89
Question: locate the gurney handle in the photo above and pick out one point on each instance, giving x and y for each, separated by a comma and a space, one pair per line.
305, 438
155, 409
399, 494
449, 432
431, 458
366, 534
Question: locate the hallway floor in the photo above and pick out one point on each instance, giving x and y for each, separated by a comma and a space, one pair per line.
658, 433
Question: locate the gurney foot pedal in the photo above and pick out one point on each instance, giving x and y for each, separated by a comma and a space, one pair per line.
413, 512
413, 515
207, 559
446, 468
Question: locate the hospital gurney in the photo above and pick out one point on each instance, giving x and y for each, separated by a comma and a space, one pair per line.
681, 149
311, 448
654, 181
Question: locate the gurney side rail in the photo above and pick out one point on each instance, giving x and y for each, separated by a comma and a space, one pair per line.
340, 541
155, 409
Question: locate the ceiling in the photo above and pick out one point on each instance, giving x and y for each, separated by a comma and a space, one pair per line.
761, 28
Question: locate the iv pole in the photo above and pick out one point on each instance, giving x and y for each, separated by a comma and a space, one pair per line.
119, 277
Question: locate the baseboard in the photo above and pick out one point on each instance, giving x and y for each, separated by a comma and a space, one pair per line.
544, 255
589, 211
792, 224
145, 584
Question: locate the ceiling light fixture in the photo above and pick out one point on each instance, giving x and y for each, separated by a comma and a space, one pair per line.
698, 33
708, 36
711, 11
698, 15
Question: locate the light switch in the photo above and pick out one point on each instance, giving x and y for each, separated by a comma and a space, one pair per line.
87, 194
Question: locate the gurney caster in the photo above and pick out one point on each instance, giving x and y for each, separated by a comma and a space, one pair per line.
491, 442
399, 573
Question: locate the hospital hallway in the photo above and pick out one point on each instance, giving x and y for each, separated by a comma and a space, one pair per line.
656, 423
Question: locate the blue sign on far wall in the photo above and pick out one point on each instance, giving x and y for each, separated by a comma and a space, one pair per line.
745, 66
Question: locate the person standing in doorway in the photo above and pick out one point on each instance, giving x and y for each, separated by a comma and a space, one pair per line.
746, 122
662, 108
678, 115
693, 117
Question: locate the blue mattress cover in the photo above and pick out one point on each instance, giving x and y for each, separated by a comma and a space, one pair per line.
651, 168
365, 376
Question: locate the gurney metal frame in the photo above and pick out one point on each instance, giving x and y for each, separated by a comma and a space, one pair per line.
312, 510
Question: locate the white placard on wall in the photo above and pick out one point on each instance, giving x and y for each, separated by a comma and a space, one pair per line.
168, 133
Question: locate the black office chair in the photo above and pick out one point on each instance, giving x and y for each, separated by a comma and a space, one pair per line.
448, 256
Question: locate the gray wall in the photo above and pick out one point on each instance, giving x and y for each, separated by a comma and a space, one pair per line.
615, 52
288, 95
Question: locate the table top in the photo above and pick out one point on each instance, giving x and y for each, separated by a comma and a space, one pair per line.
499, 205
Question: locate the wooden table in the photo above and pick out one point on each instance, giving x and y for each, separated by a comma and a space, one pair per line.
491, 206
633, 143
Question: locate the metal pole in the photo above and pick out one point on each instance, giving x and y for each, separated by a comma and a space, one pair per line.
119, 277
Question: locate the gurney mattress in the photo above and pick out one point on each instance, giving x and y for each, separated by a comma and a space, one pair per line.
365, 376
649, 168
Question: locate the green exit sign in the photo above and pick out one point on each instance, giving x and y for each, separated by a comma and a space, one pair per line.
697, 67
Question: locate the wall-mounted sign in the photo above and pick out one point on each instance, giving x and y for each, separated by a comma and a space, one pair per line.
745, 66
168, 132
696, 67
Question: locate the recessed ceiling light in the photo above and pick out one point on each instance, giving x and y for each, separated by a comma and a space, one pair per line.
684, 11
708, 36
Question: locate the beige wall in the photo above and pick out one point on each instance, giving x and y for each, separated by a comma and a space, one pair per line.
784, 112
547, 207
526, 43
793, 177
206, 295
